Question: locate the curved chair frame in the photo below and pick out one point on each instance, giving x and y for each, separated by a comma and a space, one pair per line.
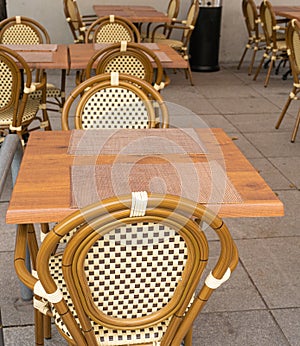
18, 109
256, 40
112, 29
186, 26
24, 30
293, 44
275, 49
130, 58
142, 90
84, 229
77, 23
172, 12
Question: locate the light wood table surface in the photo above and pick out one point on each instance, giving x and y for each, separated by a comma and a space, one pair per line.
43, 190
136, 14
80, 54
286, 11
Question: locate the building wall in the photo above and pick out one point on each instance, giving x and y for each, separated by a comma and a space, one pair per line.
50, 14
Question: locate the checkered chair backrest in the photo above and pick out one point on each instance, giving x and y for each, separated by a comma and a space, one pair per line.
111, 29
22, 30
124, 279
132, 103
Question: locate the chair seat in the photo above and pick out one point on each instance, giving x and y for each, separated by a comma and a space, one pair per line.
52, 92
29, 113
176, 44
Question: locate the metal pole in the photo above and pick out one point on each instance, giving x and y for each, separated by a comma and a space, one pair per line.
11, 154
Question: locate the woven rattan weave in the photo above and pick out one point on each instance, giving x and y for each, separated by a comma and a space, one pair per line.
122, 279
130, 103
23, 30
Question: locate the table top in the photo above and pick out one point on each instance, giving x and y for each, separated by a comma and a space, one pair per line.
61, 167
136, 14
81, 53
286, 11
44, 56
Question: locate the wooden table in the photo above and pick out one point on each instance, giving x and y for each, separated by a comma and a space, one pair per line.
47, 57
289, 12
80, 54
136, 14
43, 191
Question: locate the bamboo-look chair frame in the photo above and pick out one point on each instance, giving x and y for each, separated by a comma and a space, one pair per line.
172, 12
130, 58
293, 44
18, 109
112, 29
143, 91
25, 30
186, 27
92, 223
275, 49
78, 23
256, 40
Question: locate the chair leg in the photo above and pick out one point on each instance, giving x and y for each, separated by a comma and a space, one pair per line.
259, 67
39, 329
252, 61
284, 110
47, 327
188, 340
242, 57
296, 128
269, 73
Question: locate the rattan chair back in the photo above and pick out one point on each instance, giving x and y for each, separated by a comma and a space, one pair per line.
129, 276
112, 29
130, 58
186, 28
22, 30
78, 23
275, 48
293, 45
17, 109
114, 100
27, 31
256, 40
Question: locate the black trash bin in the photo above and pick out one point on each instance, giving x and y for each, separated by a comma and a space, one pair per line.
205, 39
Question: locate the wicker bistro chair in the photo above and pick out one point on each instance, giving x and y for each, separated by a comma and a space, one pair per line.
78, 23
172, 12
130, 58
276, 49
23, 30
186, 27
114, 100
124, 271
17, 109
256, 39
293, 44
112, 29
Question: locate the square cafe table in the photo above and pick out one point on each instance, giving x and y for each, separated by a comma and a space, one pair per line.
136, 14
80, 54
62, 170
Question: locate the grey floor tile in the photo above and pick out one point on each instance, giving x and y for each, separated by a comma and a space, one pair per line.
7, 232
286, 226
259, 122
251, 328
211, 92
289, 167
218, 120
272, 174
245, 146
232, 105
289, 321
274, 144
273, 265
